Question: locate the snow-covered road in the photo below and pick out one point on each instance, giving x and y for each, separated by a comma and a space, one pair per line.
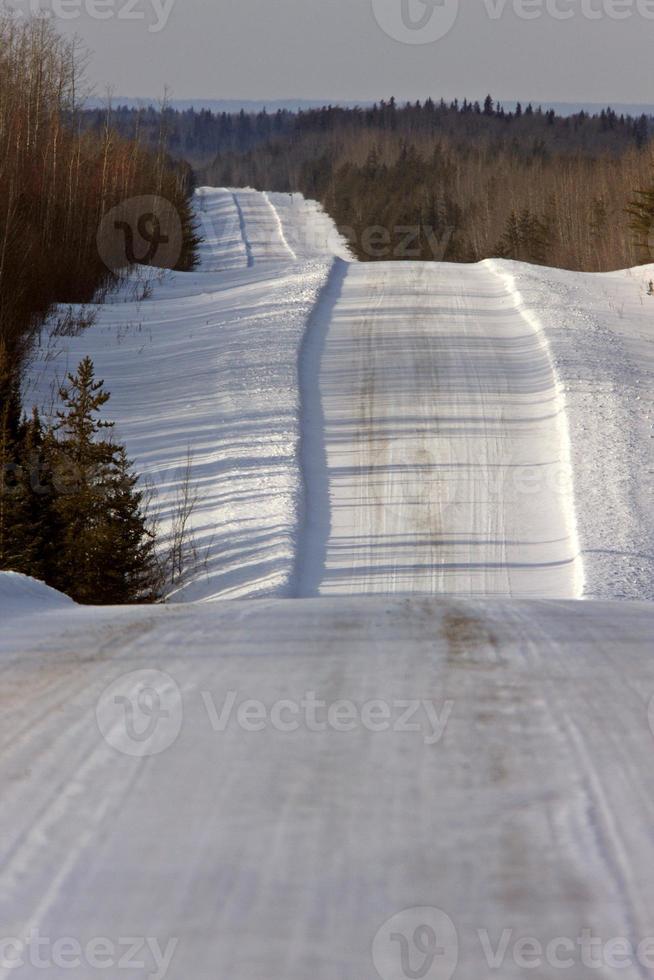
490, 759
382, 427
449, 780
436, 445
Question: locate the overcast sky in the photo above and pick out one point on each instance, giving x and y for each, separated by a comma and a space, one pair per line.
370, 49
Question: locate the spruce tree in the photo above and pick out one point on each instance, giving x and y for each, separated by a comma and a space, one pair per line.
81, 465
105, 552
10, 494
17, 549
131, 566
34, 533
43, 525
641, 212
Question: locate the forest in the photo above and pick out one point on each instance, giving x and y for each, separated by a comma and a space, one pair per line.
68, 501
459, 181
464, 182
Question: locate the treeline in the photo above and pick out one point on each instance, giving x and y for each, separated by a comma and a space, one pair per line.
200, 135
57, 182
460, 180
192, 135
463, 182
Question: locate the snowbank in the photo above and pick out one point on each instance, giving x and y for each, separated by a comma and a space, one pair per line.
20, 595
600, 332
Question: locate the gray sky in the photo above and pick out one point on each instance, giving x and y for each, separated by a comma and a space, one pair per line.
357, 49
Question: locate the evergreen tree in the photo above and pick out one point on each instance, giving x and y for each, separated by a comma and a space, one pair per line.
11, 505
105, 553
641, 132
27, 525
526, 238
131, 566
641, 211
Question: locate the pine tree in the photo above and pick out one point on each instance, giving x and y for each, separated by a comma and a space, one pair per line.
105, 553
45, 529
641, 212
11, 504
131, 566
509, 244
16, 546
27, 526
526, 238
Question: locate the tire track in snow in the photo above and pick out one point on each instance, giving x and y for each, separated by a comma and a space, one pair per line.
244, 233
280, 227
601, 831
430, 403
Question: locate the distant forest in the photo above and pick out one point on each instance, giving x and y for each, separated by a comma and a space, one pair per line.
471, 179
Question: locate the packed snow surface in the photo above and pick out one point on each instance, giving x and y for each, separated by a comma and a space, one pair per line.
381, 427
433, 763
488, 758
433, 405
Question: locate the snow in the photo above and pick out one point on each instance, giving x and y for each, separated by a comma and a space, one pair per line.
436, 404
208, 364
381, 427
599, 329
22, 595
441, 461
522, 800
